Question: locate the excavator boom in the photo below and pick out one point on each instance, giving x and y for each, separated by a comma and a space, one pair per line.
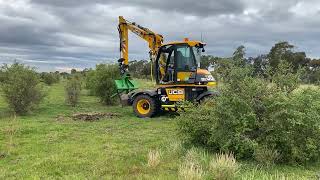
153, 39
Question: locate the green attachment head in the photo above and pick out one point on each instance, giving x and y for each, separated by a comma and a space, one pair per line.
126, 84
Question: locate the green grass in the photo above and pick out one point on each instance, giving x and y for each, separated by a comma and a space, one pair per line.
37, 146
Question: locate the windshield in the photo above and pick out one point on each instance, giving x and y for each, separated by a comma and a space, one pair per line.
197, 54
185, 60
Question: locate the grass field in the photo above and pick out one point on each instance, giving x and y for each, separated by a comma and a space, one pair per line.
38, 146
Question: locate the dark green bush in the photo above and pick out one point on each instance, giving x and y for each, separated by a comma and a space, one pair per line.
49, 78
251, 113
21, 87
72, 91
291, 125
100, 82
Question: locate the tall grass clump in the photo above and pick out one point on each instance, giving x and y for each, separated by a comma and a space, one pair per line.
252, 112
21, 87
154, 158
190, 171
100, 82
223, 166
175, 148
191, 166
266, 156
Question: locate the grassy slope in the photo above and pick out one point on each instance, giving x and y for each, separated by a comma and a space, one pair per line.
42, 147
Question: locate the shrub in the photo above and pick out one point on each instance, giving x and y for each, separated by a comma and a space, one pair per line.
72, 91
224, 166
154, 158
251, 112
291, 125
100, 82
21, 87
49, 78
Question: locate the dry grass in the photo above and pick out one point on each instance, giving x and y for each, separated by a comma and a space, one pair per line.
154, 158
197, 155
175, 148
266, 156
191, 168
223, 166
191, 171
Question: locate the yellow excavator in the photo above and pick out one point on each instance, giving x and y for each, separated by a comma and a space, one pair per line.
175, 68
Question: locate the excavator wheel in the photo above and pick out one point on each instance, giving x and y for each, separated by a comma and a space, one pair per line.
144, 106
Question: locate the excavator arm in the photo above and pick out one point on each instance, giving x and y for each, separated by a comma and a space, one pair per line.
154, 41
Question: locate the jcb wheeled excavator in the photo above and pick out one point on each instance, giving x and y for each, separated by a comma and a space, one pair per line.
175, 68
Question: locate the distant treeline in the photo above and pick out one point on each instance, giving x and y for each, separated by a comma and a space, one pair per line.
262, 64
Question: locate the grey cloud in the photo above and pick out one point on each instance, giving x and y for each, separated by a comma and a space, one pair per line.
81, 33
195, 7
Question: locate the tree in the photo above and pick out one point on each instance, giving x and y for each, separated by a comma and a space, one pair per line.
314, 71
260, 64
73, 71
239, 56
140, 69
207, 61
283, 51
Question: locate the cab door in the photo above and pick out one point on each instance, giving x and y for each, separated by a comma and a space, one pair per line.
185, 63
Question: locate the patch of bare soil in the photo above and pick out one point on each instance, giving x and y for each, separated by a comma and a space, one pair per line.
93, 116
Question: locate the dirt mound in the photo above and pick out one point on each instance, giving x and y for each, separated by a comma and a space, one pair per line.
94, 116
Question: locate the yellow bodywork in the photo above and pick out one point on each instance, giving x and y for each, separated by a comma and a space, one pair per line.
190, 43
183, 76
175, 94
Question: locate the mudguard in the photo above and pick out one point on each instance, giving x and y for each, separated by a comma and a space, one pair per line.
206, 94
132, 95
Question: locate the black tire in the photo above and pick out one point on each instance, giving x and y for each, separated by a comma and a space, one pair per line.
151, 106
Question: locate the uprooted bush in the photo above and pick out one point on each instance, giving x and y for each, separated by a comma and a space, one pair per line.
251, 113
21, 87
100, 82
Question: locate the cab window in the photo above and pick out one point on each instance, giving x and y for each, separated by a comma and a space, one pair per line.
185, 59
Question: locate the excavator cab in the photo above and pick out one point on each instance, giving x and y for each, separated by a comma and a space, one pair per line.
179, 63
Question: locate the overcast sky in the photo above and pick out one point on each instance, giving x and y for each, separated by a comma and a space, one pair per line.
63, 34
